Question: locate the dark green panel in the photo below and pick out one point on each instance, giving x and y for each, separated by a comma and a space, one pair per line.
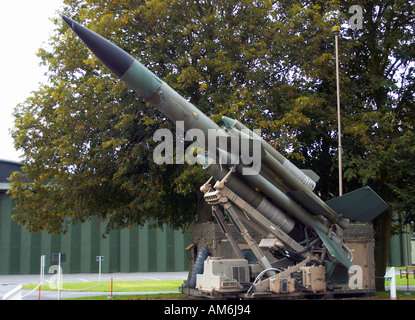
181, 261
143, 246
46, 249
170, 244
98, 245
35, 252
124, 253
114, 254
152, 250
55, 247
55, 243
131, 250
65, 248
161, 250
187, 241
86, 250
15, 243
5, 235
75, 261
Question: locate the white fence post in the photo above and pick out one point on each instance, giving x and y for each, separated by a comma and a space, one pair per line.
390, 274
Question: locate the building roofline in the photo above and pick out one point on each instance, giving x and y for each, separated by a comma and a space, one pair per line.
11, 162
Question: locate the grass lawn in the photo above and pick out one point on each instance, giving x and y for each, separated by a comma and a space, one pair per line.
144, 286
402, 281
118, 286
401, 295
165, 296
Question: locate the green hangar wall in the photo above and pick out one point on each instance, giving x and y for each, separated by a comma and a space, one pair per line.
128, 250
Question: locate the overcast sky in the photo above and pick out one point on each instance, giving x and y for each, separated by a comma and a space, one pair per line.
25, 27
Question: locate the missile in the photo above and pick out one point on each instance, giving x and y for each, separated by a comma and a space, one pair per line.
292, 201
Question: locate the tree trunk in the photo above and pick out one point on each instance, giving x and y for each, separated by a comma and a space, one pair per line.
204, 210
383, 232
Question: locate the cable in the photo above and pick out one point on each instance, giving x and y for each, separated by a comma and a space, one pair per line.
259, 276
348, 251
32, 290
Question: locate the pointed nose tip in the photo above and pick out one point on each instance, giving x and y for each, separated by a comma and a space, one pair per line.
116, 59
67, 20
229, 123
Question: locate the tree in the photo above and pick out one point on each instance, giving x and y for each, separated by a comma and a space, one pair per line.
87, 139
377, 98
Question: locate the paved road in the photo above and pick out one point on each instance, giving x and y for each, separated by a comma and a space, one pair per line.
9, 282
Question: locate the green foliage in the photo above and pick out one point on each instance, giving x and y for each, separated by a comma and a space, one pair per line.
87, 138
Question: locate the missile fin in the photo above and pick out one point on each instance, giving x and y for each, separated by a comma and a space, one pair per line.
334, 249
359, 205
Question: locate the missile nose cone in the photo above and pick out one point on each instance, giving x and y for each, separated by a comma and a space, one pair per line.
116, 59
229, 123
